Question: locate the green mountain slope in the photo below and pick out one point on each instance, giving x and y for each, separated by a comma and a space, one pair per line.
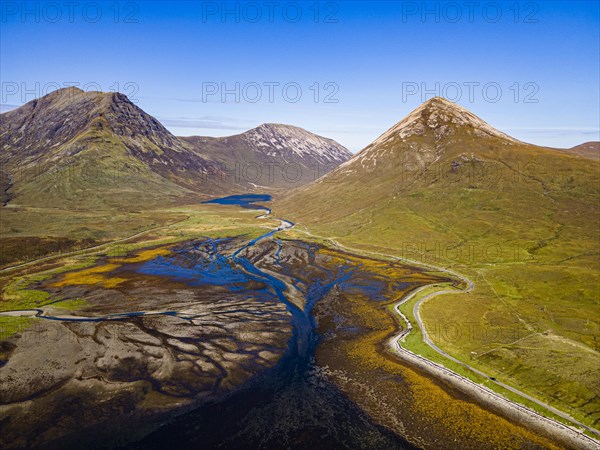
521, 221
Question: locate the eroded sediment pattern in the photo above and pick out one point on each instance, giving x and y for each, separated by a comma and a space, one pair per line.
163, 339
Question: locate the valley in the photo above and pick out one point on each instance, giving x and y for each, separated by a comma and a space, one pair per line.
176, 324
342, 312
313, 225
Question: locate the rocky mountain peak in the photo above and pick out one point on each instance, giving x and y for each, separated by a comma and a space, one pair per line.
280, 139
441, 118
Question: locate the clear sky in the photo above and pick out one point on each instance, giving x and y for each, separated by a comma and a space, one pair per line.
347, 70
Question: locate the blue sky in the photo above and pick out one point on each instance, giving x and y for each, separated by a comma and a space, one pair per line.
347, 70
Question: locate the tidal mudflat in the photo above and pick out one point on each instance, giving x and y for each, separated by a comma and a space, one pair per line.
149, 337
355, 327
215, 331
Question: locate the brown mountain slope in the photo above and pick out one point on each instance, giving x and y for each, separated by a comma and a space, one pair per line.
89, 150
272, 155
589, 150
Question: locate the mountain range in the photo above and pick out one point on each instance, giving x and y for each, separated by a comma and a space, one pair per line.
87, 150
90, 149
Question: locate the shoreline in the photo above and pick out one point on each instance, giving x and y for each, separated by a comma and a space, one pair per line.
515, 412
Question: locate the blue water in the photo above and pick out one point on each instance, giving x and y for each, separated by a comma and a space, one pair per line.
288, 406
248, 201
216, 269
244, 200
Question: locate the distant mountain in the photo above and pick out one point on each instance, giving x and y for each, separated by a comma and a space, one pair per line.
85, 150
589, 150
273, 155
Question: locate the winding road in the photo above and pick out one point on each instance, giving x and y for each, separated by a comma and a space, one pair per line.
42, 314
395, 345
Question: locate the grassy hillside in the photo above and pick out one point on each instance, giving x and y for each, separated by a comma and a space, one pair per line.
103, 175
520, 221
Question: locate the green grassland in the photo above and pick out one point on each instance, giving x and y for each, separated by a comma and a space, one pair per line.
101, 175
414, 341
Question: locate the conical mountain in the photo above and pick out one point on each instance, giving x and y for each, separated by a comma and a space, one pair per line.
434, 131
521, 222
440, 118
444, 173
